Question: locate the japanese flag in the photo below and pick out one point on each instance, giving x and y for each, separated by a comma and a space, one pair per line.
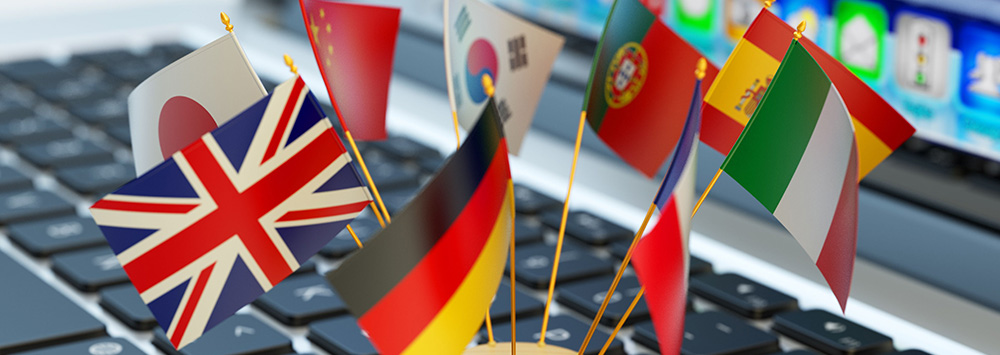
518, 55
189, 98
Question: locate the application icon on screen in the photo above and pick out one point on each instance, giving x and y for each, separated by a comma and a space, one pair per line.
695, 14
861, 29
813, 12
739, 14
923, 46
980, 83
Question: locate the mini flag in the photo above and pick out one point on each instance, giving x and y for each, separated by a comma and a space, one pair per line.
748, 73
633, 98
518, 55
228, 217
424, 284
354, 46
661, 257
189, 98
798, 157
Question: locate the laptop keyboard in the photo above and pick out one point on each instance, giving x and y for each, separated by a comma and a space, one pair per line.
65, 143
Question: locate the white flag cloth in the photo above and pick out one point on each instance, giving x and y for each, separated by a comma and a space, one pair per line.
482, 39
188, 98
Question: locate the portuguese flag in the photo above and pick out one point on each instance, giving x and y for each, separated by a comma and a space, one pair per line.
640, 84
798, 157
423, 284
748, 72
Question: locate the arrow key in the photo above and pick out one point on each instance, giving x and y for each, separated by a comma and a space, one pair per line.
240, 334
299, 300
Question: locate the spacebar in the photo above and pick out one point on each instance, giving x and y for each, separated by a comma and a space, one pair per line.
34, 315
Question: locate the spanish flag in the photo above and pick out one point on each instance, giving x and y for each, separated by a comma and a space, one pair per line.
424, 284
748, 72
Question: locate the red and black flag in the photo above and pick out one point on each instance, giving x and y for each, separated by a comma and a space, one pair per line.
424, 283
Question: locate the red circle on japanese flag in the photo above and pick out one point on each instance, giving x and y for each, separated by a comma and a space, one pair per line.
182, 121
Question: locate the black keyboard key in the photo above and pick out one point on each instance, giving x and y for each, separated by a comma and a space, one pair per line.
112, 58
89, 269
527, 230
741, 295
526, 305
405, 148
99, 346
107, 111
534, 264
714, 333
587, 227
341, 335
586, 297
73, 87
26, 205
910, 352
64, 153
563, 331
124, 303
12, 179
343, 243
56, 235
830, 333
169, 52
35, 315
96, 179
240, 334
797, 352
25, 70
299, 300
11, 110
529, 201
121, 133
32, 129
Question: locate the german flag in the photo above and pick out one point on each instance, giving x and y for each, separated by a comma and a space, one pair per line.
741, 83
424, 284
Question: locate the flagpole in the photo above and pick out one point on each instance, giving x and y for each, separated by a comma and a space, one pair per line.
797, 35
454, 121
488, 85
513, 284
350, 139
699, 73
562, 229
295, 70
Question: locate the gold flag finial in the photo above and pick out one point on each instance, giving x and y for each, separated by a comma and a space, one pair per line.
291, 65
768, 3
699, 72
225, 21
798, 30
488, 84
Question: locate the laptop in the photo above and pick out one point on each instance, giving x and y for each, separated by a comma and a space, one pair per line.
924, 281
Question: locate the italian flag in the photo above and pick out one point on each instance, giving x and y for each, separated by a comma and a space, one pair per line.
798, 157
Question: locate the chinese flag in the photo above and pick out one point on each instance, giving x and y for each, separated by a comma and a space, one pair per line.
354, 46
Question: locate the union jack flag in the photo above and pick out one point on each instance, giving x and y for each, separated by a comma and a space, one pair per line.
231, 215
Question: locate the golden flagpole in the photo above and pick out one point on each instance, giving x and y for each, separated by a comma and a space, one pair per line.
798, 34
562, 229
488, 84
513, 283
295, 70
